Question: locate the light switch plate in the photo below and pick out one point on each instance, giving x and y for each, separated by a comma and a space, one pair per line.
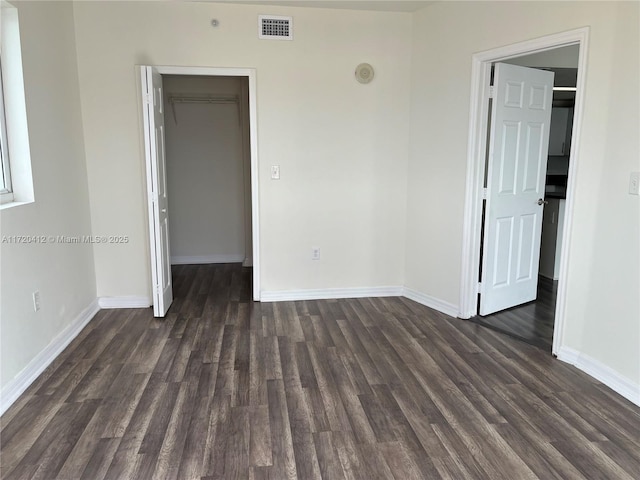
36, 301
634, 183
275, 172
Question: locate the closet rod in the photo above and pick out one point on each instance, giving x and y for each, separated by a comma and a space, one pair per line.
203, 99
206, 99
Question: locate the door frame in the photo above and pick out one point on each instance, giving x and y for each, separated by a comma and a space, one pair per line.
476, 159
250, 73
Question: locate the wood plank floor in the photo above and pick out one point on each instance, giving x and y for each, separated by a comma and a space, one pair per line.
532, 322
225, 388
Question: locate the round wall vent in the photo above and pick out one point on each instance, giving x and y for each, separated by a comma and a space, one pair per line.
364, 73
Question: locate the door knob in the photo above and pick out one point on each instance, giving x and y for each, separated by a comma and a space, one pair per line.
542, 202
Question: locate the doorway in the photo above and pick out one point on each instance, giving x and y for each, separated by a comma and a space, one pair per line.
208, 169
532, 320
162, 111
479, 128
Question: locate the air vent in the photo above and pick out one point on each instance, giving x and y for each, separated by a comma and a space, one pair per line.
275, 27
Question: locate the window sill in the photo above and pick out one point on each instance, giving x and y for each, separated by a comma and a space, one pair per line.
11, 204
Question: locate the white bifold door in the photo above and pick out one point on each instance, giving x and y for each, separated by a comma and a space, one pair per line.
153, 119
517, 164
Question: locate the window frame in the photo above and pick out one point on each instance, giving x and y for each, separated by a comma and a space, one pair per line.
5, 187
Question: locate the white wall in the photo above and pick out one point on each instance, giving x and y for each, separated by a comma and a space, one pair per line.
205, 171
603, 309
63, 274
342, 146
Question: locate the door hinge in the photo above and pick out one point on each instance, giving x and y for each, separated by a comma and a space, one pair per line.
491, 91
147, 98
479, 287
485, 193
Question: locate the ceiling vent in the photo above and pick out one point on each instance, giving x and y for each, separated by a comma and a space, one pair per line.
275, 27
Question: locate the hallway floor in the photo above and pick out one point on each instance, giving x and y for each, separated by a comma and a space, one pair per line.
532, 322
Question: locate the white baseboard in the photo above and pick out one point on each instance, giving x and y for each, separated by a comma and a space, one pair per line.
124, 302
35, 367
431, 302
598, 370
329, 293
205, 259
359, 292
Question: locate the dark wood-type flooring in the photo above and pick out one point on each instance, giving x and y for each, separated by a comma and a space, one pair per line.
225, 388
532, 322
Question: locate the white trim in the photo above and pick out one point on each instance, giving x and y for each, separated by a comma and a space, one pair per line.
478, 110
16, 387
206, 71
360, 292
255, 197
253, 137
601, 372
147, 115
204, 259
431, 302
474, 190
574, 155
5, 176
17, 123
125, 302
330, 293
5, 206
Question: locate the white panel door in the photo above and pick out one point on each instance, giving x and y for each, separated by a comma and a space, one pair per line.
518, 146
153, 116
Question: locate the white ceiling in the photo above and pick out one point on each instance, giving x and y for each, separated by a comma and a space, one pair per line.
379, 5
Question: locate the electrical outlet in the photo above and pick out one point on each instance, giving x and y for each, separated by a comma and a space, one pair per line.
275, 172
36, 301
634, 183
315, 253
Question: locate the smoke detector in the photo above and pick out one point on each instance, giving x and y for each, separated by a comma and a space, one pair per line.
364, 73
